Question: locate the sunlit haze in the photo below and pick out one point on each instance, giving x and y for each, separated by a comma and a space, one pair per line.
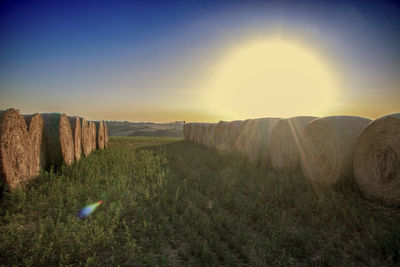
201, 60
274, 76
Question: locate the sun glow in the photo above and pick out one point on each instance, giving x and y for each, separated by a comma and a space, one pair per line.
272, 78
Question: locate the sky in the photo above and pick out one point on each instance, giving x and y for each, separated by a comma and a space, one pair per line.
200, 60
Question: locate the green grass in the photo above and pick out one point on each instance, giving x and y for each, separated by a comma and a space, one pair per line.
171, 202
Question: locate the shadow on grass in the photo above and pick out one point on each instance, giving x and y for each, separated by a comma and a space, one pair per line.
262, 215
172, 202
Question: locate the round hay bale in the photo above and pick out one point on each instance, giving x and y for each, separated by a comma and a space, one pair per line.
242, 139
221, 138
100, 134
259, 132
210, 135
185, 131
76, 136
59, 141
197, 133
328, 152
92, 134
377, 160
260, 138
217, 134
106, 136
204, 127
232, 134
35, 128
15, 147
202, 133
287, 142
191, 132
86, 141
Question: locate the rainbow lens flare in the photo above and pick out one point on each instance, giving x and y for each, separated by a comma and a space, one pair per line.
87, 210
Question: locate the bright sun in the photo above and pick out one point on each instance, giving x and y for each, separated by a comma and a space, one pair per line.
272, 78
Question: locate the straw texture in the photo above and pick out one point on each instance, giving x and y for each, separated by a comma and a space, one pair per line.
287, 142
92, 136
15, 146
328, 153
86, 141
76, 130
35, 128
100, 135
259, 136
59, 141
377, 160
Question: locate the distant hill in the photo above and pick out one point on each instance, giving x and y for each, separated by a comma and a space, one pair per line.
126, 128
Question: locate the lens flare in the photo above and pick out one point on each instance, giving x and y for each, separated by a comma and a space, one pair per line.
87, 210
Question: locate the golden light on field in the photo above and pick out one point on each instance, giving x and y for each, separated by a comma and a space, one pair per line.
272, 77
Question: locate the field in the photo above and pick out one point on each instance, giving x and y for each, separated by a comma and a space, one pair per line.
172, 202
149, 129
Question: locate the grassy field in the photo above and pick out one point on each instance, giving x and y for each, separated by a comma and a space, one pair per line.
125, 128
171, 202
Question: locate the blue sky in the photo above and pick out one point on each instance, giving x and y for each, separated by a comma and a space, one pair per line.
146, 60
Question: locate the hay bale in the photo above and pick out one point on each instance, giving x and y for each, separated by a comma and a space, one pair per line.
191, 132
330, 142
197, 133
15, 147
92, 134
217, 134
200, 133
232, 134
260, 134
253, 140
377, 160
86, 141
203, 129
242, 139
204, 133
59, 141
186, 131
221, 138
210, 135
100, 134
75, 124
35, 128
287, 142
106, 136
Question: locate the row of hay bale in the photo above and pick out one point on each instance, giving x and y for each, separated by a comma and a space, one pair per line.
29, 143
327, 150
